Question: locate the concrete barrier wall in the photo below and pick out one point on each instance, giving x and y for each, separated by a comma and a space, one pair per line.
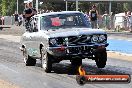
8, 20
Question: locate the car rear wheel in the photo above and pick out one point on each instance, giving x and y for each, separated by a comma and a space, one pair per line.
101, 58
28, 60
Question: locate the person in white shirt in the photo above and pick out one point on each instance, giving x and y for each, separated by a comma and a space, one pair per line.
20, 19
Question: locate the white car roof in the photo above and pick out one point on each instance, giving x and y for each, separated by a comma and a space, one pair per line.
53, 13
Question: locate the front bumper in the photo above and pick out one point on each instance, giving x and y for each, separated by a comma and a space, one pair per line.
78, 50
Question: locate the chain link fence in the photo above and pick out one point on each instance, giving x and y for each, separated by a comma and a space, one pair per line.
7, 20
115, 23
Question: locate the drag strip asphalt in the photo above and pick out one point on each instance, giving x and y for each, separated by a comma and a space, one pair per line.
13, 69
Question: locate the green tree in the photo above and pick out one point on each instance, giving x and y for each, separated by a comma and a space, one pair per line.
4, 7
125, 6
8, 7
11, 7
0, 7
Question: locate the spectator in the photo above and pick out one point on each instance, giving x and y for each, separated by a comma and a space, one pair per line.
2, 20
20, 19
126, 21
16, 18
111, 20
29, 11
47, 11
93, 14
130, 21
86, 15
106, 20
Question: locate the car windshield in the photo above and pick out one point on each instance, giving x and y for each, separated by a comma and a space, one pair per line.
64, 21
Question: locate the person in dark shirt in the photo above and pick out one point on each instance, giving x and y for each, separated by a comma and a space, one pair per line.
93, 14
28, 12
16, 18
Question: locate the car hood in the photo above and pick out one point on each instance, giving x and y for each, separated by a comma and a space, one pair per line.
73, 32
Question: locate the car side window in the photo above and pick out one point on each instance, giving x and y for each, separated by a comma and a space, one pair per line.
45, 22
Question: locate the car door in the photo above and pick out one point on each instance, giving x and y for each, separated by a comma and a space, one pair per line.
31, 38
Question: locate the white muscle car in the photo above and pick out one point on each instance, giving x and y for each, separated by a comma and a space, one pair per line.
65, 35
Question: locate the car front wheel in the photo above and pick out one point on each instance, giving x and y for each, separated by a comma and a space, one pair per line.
76, 62
101, 58
46, 62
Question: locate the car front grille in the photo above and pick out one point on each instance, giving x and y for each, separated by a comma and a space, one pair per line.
78, 40
82, 39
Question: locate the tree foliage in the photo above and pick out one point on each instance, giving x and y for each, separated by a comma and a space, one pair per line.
117, 7
12, 7
8, 7
4, 7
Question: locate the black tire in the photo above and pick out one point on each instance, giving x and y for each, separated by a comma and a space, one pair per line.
47, 62
76, 62
30, 61
101, 58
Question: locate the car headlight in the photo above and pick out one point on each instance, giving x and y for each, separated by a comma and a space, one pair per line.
102, 38
94, 38
53, 41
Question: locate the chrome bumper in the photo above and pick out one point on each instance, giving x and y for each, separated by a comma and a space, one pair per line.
75, 50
